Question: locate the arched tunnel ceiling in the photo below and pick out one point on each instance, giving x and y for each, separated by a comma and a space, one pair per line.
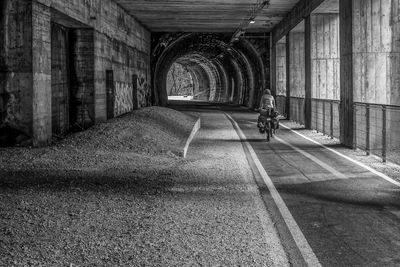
204, 15
233, 72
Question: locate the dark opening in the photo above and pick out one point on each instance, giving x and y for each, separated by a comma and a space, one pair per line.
110, 93
61, 82
135, 91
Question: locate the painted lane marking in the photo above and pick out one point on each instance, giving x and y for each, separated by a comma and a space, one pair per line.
301, 242
335, 172
338, 174
384, 176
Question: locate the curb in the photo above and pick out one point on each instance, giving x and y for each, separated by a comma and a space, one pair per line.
196, 127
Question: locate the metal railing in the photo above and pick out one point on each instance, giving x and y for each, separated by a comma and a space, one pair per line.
376, 127
325, 116
297, 109
377, 130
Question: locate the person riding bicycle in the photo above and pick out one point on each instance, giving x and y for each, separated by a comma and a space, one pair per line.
267, 108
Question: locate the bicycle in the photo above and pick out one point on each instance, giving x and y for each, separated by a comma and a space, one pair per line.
267, 123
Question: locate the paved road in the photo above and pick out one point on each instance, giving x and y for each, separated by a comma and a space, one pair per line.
348, 215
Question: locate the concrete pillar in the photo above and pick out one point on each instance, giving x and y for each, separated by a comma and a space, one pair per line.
308, 74
281, 68
296, 74
376, 51
26, 69
370, 57
346, 72
288, 93
325, 56
16, 65
297, 64
280, 75
324, 72
273, 70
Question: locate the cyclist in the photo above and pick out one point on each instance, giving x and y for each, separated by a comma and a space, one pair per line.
267, 108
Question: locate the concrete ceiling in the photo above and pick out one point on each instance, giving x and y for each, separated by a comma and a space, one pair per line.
204, 15
329, 6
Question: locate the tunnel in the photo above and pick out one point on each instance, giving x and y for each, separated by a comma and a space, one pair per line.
69, 71
200, 133
221, 72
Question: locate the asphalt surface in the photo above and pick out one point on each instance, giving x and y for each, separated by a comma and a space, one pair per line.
217, 201
348, 215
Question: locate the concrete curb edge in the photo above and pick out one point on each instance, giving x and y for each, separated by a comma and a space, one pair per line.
196, 127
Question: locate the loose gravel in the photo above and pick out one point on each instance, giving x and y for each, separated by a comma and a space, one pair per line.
88, 199
118, 194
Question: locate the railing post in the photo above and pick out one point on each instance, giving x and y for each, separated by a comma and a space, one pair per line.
300, 111
323, 117
384, 141
316, 114
367, 130
354, 126
331, 111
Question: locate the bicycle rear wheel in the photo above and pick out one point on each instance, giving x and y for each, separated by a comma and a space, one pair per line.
268, 132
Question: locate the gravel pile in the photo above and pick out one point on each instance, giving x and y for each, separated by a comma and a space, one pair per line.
144, 133
117, 195
88, 199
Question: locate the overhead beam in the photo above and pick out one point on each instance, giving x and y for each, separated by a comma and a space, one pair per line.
301, 11
207, 15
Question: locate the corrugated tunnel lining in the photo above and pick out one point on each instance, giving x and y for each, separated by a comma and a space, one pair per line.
236, 77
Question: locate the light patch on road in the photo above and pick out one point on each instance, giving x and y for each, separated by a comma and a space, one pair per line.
298, 236
384, 176
338, 174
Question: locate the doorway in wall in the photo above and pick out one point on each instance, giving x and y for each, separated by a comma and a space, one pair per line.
60, 79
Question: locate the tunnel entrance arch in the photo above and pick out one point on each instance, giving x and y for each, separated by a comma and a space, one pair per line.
180, 84
213, 62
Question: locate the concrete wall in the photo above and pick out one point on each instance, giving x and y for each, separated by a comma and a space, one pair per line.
325, 56
370, 73
376, 51
16, 65
25, 70
325, 73
297, 64
108, 39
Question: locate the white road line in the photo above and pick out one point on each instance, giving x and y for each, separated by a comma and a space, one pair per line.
298, 236
384, 176
335, 172
338, 174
